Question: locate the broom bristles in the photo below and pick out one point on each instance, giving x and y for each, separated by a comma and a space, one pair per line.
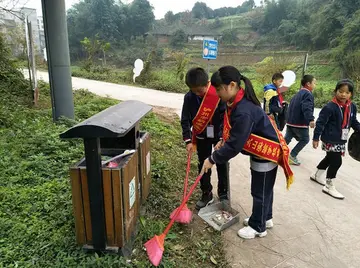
155, 249
184, 216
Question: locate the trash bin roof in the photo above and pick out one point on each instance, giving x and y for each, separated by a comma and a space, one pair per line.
116, 121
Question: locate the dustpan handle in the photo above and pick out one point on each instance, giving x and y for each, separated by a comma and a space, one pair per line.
228, 182
186, 198
187, 173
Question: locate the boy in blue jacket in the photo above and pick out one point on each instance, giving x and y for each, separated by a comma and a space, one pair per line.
201, 134
300, 117
274, 105
332, 127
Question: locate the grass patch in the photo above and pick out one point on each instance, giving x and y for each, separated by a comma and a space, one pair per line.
36, 220
109, 75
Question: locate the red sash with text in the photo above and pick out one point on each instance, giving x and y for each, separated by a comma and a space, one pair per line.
277, 152
205, 113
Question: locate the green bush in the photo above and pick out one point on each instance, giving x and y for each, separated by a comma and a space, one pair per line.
166, 80
119, 77
178, 39
12, 81
168, 85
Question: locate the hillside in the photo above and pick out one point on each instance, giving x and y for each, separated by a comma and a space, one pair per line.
232, 31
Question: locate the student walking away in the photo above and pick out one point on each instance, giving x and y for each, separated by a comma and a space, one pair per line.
201, 120
332, 127
249, 130
300, 117
274, 104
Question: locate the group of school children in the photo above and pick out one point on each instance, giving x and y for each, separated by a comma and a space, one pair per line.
224, 114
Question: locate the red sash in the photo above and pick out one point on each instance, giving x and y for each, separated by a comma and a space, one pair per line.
262, 147
205, 113
346, 115
281, 98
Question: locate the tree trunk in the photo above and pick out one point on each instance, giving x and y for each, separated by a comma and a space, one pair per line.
104, 58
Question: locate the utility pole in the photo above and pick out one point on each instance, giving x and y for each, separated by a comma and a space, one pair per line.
27, 49
58, 58
31, 55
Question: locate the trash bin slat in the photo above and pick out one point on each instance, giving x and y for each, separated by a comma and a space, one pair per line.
108, 204
77, 205
118, 210
130, 181
86, 201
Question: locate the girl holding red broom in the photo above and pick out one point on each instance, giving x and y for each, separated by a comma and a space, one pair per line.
249, 130
333, 127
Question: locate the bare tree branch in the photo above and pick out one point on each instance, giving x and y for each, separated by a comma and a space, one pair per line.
11, 10
12, 13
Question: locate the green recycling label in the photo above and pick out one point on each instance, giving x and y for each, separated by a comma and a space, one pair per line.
132, 192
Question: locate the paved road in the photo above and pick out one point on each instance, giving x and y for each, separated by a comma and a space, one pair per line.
123, 92
311, 229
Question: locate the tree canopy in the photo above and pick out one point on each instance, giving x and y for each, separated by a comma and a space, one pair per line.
110, 20
314, 25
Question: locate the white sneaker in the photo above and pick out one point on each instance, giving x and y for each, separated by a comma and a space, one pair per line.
318, 177
250, 233
330, 189
269, 223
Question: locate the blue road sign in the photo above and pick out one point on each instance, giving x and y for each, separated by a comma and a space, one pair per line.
210, 49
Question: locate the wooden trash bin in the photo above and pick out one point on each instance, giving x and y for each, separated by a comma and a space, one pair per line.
121, 202
106, 201
144, 166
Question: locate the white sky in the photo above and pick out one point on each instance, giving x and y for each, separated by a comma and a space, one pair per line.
160, 6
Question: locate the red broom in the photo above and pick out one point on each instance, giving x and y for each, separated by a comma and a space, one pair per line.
185, 214
155, 246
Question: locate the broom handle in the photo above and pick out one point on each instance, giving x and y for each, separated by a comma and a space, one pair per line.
186, 198
187, 174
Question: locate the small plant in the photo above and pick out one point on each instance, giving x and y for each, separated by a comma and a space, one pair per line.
182, 60
146, 73
93, 47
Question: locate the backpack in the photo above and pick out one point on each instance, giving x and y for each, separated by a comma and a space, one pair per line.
354, 146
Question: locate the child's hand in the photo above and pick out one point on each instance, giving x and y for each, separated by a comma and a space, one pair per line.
189, 148
315, 144
312, 124
219, 145
206, 167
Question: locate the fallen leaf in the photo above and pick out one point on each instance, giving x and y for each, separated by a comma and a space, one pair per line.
142, 221
213, 260
171, 236
178, 247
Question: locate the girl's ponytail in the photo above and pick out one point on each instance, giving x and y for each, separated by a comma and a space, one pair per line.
249, 91
225, 75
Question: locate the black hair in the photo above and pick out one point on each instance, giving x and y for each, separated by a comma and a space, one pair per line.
227, 74
196, 77
344, 82
307, 79
277, 76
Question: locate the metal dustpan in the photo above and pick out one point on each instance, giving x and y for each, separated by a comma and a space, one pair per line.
211, 213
